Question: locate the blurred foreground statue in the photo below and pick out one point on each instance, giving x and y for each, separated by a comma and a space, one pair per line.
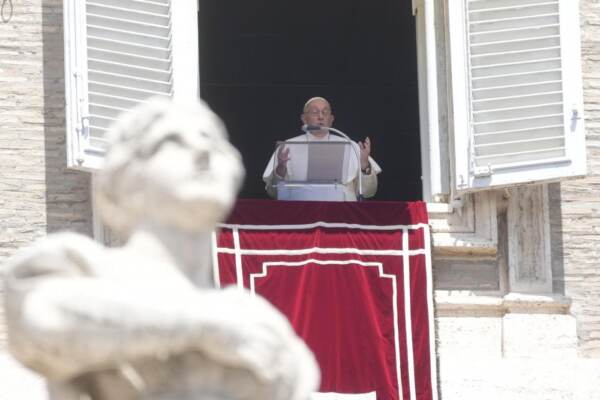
144, 321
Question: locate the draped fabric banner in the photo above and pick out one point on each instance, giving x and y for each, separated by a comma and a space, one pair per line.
354, 279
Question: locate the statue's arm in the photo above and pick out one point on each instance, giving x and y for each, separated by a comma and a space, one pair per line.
64, 321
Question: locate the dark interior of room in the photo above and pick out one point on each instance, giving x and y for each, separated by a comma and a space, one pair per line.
260, 60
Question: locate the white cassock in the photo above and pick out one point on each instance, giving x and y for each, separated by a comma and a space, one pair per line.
297, 167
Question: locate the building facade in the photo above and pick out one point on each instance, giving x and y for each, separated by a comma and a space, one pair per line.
516, 267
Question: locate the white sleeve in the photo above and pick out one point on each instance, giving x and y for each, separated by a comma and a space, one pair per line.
369, 182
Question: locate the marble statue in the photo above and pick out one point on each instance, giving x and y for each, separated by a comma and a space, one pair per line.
144, 321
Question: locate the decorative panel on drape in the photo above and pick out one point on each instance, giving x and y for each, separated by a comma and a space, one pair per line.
354, 279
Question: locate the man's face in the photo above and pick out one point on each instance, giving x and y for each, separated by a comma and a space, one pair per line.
318, 113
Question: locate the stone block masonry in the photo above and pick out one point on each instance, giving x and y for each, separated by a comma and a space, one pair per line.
575, 205
38, 194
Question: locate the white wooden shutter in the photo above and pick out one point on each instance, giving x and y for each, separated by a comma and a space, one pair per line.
119, 53
516, 92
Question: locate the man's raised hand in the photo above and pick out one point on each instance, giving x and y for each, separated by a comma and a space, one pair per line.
283, 156
365, 152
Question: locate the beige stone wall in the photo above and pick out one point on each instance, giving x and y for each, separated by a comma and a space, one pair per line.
38, 195
576, 212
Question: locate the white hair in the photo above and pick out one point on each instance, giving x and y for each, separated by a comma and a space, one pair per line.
313, 99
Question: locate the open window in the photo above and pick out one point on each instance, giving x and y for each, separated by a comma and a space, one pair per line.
259, 64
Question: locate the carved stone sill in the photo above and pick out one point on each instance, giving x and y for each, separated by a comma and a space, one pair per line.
469, 304
465, 228
518, 303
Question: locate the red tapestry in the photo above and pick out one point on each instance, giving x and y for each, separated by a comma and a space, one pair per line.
354, 279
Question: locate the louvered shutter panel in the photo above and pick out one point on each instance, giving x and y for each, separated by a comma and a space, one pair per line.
129, 58
118, 54
516, 92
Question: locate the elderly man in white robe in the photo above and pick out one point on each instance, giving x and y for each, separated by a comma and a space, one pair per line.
290, 162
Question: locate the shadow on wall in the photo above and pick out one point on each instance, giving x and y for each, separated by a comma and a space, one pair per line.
556, 239
68, 201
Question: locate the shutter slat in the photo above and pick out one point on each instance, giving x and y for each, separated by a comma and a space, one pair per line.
129, 48
512, 14
513, 119
514, 108
512, 30
113, 100
97, 133
508, 57
155, 7
511, 34
519, 141
515, 157
514, 46
506, 40
518, 146
546, 19
130, 70
97, 142
507, 69
515, 74
125, 14
123, 58
533, 111
525, 123
486, 4
516, 78
129, 26
111, 75
127, 36
537, 88
138, 93
121, 80
516, 57
524, 86
102, 121
507, 136
511, 6
103, 109
516, 101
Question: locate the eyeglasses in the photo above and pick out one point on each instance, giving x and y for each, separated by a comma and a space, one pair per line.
314, 113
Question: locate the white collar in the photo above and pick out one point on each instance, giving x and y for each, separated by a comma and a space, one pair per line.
310, 137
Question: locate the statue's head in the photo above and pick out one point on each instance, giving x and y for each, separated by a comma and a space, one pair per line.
170, 164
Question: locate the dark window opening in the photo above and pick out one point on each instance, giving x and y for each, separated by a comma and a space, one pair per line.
260, 60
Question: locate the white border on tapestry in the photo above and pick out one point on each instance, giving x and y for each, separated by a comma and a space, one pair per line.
321, 224
318, 250
239, 274
215, 259
432, 352
407, 313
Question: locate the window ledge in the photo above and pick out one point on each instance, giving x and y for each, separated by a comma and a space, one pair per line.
439, 208
470, 304
468, 228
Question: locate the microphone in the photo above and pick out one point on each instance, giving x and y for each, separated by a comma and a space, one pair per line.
310, 128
